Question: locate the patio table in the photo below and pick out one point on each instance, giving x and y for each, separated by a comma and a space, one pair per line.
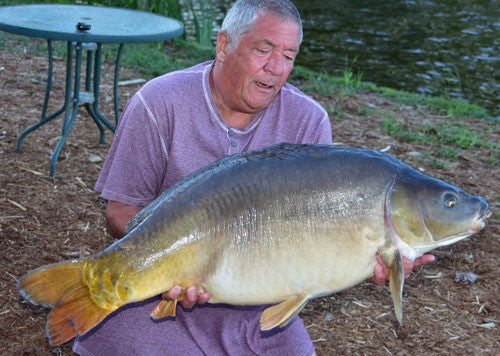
85, 29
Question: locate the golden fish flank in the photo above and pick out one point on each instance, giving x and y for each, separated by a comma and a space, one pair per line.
280, 225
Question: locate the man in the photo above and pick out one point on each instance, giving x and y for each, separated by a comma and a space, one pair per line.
183, 121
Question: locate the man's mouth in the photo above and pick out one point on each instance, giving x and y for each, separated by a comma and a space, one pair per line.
263, 85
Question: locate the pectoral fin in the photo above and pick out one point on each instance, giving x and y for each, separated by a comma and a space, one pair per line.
281, 314
164, 309
396, 283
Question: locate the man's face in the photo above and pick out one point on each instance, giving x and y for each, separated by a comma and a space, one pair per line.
255, 71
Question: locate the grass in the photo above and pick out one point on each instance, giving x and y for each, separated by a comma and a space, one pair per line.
445, 138
327, 85
156, 59
438, 105
455, 134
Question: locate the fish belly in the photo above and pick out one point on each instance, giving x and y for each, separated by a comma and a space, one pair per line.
312, 265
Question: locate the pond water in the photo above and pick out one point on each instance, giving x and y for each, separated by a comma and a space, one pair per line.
435, 47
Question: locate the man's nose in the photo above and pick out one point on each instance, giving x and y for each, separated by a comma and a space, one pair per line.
276, 63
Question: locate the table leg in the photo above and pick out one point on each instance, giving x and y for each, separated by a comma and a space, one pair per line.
93, 109
68, 98
115, 85
73, 97
88, 81
43, 119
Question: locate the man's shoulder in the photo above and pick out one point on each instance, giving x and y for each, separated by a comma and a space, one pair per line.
296, 98
195, 70
186, 76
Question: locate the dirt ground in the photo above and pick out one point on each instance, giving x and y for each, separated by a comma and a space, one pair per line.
45, 220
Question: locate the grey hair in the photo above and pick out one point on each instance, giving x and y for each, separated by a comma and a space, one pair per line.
243, 14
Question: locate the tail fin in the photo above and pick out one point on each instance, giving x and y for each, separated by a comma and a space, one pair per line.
48, 284
61, 286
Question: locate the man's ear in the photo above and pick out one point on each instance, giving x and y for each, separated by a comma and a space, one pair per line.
222, 46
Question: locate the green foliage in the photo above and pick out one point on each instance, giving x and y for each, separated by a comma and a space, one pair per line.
326, 85
426, 133
438, 105
154, 60
203, 21
448, 153
437, 164
364, 110
493, 159
397, 130
445, 138
349, 83
201, 11
349, 77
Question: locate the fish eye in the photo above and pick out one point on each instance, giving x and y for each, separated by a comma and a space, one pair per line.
450, 200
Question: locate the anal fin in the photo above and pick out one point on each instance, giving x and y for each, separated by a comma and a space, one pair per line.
396, 284
165, 308
281, 314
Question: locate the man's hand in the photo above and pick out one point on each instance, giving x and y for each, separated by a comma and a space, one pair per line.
382, 271
190, 298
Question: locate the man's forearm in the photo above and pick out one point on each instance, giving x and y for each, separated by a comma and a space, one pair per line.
118, 216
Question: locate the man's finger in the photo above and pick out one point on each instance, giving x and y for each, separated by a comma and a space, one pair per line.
381, 272
408, 266
173, 293
423, 260
378, 277
190, 297
203, 298
191, 294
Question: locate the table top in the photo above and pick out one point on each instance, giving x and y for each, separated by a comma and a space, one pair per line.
107, 24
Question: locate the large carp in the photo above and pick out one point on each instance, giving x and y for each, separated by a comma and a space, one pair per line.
281, 225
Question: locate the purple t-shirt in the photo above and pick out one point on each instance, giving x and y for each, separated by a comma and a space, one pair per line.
170, 128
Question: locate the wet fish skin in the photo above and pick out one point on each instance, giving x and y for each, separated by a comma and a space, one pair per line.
283, 224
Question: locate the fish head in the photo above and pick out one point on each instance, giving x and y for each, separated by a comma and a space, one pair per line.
426, 213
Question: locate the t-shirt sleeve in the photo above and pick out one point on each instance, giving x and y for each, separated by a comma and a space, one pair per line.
301, 119
324, 131
136, 162
316, 128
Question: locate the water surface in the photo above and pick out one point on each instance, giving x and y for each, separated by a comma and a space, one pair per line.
446, 48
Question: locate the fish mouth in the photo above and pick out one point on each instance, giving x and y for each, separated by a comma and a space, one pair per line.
476, 226
480, 222
485, 214
485, 210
